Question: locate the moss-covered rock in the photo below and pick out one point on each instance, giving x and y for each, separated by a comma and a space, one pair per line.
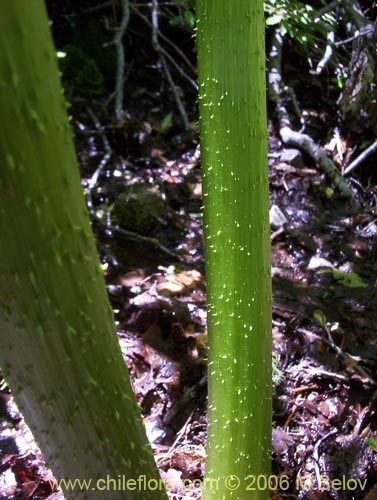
139, 208
80, 72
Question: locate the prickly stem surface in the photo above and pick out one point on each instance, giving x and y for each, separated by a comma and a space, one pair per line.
59, 348
233, 126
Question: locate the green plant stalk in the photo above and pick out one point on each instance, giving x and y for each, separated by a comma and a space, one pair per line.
59, 349
233, 127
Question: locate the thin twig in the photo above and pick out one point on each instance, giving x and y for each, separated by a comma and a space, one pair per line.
178, 68
361, 158
327, 54
148, 4
163, 37
316, 453
277, 233
114, 94
130, 235
118, 42
346, 358
93, 183
108, 152
182, 431
95, 8
295, 104
184, 401
357, 35
157, 47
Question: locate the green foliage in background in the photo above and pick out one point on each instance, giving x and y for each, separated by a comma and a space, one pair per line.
186, 14
372, 442
80, 73
88, 67
297, 19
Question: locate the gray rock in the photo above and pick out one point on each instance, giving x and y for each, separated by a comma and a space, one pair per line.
292, 157
139, 208
277, 217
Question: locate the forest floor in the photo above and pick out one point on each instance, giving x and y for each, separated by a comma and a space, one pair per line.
324, 263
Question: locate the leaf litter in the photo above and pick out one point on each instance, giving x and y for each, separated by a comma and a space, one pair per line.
324, 330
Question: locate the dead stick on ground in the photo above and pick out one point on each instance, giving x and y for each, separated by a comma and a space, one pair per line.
289, 136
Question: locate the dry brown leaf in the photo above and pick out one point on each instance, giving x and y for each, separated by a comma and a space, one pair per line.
133, 278
172, 480
195, 190
180, 283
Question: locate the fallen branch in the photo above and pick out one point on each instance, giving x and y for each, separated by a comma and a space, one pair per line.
307, 144
301, 141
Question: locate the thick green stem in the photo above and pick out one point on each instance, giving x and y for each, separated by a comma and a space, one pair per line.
59, 348
233, 129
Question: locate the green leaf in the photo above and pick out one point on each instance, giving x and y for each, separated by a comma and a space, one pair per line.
189, 18
372, 442
274, 19
319, 317
329, 192
175, 21
167, 123
350, 280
